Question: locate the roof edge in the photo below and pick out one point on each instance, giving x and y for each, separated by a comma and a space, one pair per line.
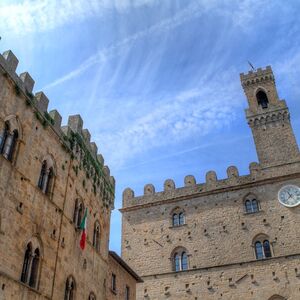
116, 257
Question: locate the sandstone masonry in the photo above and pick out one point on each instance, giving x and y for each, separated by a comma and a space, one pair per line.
121, 280
49, 177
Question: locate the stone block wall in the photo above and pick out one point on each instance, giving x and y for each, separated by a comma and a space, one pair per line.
125, 278
27, 214
218, 236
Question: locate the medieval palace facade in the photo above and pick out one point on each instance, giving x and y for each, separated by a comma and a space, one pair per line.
234, 238
52, 183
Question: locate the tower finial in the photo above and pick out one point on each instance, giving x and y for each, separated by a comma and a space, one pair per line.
251, 66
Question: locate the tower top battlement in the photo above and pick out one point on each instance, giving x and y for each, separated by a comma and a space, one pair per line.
255, 77
269, 120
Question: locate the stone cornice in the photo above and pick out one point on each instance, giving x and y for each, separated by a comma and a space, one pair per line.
196, 192
224, 266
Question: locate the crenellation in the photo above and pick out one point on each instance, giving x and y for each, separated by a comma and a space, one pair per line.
86, 135
11, 60
42, 101
189, 180
94, 149
112, 180
100, 159
75, 122
254, 169
56, 117
251, 76
232, 172
28, 81
128, 194
149, 189
169, 185
211, 177
66, 130
106, 171
212, 184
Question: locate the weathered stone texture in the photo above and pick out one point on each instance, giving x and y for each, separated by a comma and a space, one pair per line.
27, 214
124, 278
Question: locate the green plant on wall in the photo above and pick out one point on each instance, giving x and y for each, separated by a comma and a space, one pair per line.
92, 168
17, 90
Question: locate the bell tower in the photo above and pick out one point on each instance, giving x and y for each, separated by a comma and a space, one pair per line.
269, 119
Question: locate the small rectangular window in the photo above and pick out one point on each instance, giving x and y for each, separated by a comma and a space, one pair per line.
113, 282
127, 293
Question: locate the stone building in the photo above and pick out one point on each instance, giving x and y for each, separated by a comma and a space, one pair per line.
50, 176
233, 238
121, 280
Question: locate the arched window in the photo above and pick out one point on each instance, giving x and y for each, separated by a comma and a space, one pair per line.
248, 206
267, 248
175, 220
259, 250
34, 268
251, 204
184, 261
127, 292
42, 177
180, 260
262, 247
181, 218
255, 206
46, 177
3, 131
177, 217
49, 181
92, 296
262, 99
70, 289
31, 265
96, 236
8, 141
78, 213
277, 297
177, 261
26, 263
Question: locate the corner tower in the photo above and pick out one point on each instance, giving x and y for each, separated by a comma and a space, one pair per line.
269, 119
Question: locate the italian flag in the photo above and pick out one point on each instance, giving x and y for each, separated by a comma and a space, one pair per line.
83, 228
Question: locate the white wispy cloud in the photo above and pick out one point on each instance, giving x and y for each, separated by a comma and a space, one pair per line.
38, 16
191, 11
194, 112
243, 15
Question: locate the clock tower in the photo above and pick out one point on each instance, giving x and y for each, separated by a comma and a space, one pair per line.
269, 119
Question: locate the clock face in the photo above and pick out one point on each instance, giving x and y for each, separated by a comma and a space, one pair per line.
289, 195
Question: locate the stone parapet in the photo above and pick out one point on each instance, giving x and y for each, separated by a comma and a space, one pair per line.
24, 85
212, 184
255, 77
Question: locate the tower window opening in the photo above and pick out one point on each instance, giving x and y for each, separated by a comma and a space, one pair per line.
262, 99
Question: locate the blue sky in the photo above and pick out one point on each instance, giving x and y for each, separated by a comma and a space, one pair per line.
157, 81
